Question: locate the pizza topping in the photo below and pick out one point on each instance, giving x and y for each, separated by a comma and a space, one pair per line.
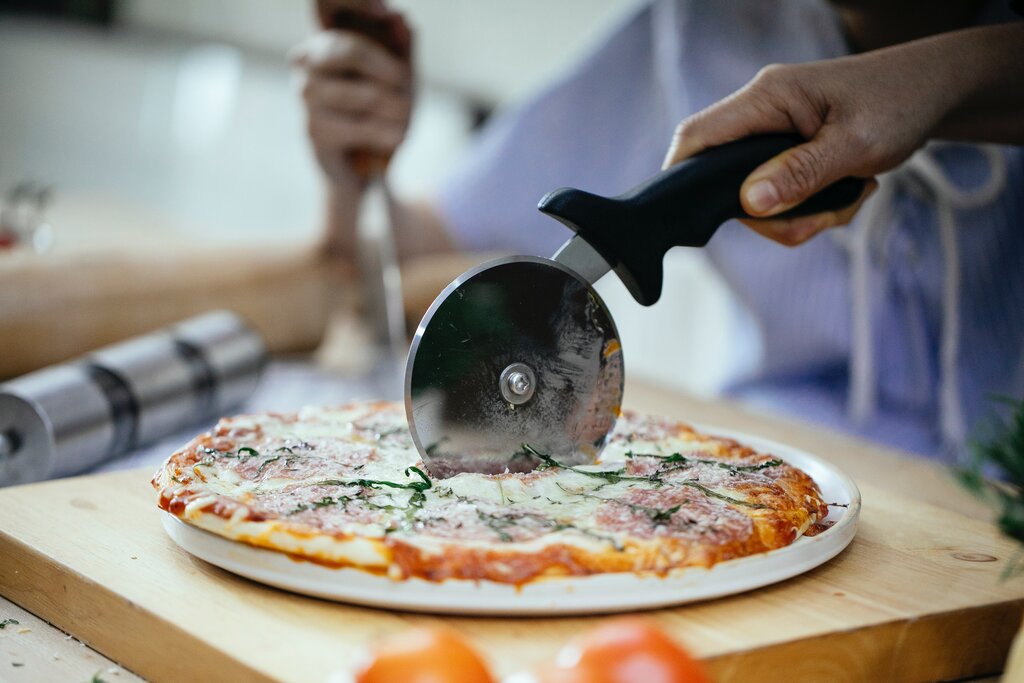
467, 520
647, 513
660, 463
662, 496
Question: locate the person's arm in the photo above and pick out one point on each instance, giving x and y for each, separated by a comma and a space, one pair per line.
863, 115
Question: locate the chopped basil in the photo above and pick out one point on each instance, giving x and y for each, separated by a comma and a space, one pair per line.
611, 476
680, 458
266, 462
6, 622
377, 483
242, 454
497, 525
325, 501
662, 517
658, 516
721, 496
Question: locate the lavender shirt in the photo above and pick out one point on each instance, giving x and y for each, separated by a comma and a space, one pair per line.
900, 327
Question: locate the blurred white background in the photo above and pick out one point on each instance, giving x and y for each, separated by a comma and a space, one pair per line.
108, 116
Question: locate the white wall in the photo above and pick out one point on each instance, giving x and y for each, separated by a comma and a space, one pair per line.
493, 49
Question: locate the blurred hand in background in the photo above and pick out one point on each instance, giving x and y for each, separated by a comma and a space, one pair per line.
357, 87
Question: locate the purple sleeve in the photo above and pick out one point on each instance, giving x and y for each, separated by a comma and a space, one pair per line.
593, 128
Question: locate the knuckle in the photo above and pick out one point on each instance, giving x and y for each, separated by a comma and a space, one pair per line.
771, 73
343, 42
405, 107
345, 48
686, 128
392, 137
308, 90
803, 168
690, 128
367, 97
861, 139
313, 128
360, 47
322, 132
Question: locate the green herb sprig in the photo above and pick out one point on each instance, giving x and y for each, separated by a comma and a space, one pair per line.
242, 454
1001, 453
615, 476
686, 460
415, 502
610, 476
421, 485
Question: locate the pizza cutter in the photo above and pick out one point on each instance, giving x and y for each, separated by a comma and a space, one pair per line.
519, 356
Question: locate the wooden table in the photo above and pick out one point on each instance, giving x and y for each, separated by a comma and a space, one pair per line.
45, 653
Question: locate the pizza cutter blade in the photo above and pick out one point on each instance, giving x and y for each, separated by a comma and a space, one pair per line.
517, 354
519, 357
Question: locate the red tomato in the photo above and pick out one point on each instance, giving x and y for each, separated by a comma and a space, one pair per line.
625, 650
424, 656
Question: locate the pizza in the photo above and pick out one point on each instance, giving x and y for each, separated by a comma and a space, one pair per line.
345, 487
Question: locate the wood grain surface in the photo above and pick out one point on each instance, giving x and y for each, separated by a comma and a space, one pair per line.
54, 307
32, 651
917, 596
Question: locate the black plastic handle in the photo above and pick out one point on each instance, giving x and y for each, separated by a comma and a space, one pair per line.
681, 206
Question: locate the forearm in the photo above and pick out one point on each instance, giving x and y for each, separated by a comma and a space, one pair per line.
985, 69
417, 228
341, 217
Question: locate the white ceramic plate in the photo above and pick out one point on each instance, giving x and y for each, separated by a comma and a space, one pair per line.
571, 595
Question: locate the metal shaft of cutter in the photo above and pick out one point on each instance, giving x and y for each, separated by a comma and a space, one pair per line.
582, 259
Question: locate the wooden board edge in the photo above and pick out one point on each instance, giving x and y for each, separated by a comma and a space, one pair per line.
965, 643
98, 616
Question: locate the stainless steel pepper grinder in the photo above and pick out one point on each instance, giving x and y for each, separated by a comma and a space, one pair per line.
67, 418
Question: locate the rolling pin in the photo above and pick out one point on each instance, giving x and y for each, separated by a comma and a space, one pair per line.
57, 306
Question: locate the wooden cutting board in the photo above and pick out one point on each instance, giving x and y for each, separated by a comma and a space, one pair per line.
917, 596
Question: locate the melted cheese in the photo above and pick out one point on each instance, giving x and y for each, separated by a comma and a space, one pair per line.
304, 484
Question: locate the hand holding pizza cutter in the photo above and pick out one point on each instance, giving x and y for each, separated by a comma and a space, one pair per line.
520, 357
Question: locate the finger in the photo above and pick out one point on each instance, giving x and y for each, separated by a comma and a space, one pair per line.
794, 175
325, 9
791, 232
342, 134
794, 231
345, 52
360, 97
746, 112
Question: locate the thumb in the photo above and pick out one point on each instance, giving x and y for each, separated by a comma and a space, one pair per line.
793, 176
